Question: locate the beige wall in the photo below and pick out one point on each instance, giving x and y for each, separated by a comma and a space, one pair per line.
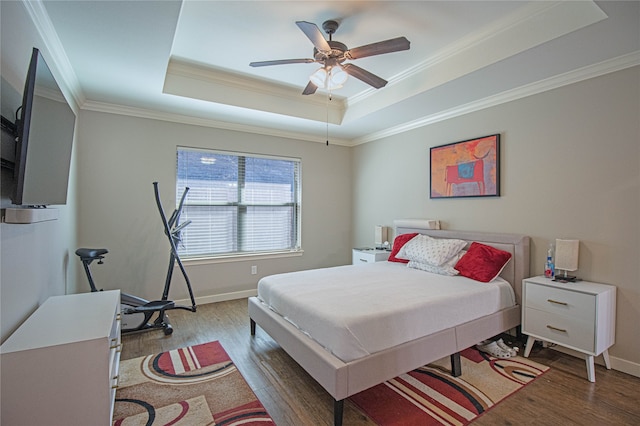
570, 169
119, 157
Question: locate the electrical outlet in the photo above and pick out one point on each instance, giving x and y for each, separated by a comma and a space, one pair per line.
254, 270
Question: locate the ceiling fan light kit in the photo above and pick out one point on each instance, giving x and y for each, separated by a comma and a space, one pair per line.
329, 78
331, 54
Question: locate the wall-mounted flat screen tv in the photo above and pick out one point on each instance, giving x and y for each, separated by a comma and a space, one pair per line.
45, 139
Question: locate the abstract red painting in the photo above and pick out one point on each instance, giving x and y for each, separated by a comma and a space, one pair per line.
469, 168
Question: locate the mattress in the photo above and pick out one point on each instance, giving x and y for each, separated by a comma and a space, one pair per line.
356, 310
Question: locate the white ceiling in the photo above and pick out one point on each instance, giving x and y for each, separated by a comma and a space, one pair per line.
189, 60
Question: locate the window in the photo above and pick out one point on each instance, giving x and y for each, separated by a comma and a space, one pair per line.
238, 203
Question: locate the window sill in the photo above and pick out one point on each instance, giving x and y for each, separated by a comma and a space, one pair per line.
240, 257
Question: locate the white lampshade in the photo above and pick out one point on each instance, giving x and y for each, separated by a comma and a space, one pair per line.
567, 254
319, 78
334, 79
338, 77
380, 235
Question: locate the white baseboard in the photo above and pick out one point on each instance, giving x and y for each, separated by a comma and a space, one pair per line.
617, 364
625, 366
219, 297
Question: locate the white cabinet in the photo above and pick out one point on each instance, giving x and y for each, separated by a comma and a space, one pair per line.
61, 365
361, 256
579, 315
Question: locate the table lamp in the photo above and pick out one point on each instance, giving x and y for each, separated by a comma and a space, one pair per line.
566, 259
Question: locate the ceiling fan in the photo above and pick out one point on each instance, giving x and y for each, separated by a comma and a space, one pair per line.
332, 55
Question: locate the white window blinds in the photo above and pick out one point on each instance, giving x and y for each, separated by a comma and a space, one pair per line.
238, 203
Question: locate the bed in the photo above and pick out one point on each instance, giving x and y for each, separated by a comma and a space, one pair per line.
346, 370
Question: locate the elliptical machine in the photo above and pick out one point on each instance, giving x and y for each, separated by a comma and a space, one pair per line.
137, 312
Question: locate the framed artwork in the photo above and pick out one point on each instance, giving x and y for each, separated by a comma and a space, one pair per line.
468, 168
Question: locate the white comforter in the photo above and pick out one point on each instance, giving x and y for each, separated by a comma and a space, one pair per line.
354, 311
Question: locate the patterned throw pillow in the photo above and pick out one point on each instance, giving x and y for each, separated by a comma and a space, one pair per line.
440, 270
434, 251
446, 268
398, 243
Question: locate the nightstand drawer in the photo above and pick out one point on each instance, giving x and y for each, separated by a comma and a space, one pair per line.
572, 304
566, 331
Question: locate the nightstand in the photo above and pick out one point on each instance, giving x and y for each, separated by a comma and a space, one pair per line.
579, 316
369, 256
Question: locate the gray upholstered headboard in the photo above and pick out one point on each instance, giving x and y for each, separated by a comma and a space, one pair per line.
518, 245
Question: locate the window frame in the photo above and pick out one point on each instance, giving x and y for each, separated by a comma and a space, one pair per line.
295, 205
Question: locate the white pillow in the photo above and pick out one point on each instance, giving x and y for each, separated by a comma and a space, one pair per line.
446, 268
434, 251
401, 253
440, 270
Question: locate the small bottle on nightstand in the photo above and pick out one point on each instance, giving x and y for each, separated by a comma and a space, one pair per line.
549, 270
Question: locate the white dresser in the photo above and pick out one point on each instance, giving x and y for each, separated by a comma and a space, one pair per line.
61, 365
580, 316
361, 256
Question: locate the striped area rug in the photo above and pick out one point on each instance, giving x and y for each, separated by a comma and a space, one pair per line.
431, 396
196, 385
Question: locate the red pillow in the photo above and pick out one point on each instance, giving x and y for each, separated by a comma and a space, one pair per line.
400, 240
482, 262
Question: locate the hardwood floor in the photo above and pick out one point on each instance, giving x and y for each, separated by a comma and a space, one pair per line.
563, 396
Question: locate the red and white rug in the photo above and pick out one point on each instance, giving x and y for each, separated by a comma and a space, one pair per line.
431, 396
196, 385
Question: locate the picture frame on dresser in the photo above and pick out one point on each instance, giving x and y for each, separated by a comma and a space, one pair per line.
469, 168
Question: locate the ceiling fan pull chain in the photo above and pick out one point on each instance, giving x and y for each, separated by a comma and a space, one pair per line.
328, 99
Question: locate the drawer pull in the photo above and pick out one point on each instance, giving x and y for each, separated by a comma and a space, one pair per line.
556, 302
364, 260
550, 327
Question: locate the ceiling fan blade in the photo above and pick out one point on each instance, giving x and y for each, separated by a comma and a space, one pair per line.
282, 62
379, 48
310, 89
364, 75
314, 34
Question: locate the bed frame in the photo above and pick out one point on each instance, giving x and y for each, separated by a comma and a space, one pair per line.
342, 380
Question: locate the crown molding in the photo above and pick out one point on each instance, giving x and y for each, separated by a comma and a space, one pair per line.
581, 74
290, 99
56, 56
571, 77
205, 122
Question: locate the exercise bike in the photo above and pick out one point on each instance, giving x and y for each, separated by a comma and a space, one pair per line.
137, 313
